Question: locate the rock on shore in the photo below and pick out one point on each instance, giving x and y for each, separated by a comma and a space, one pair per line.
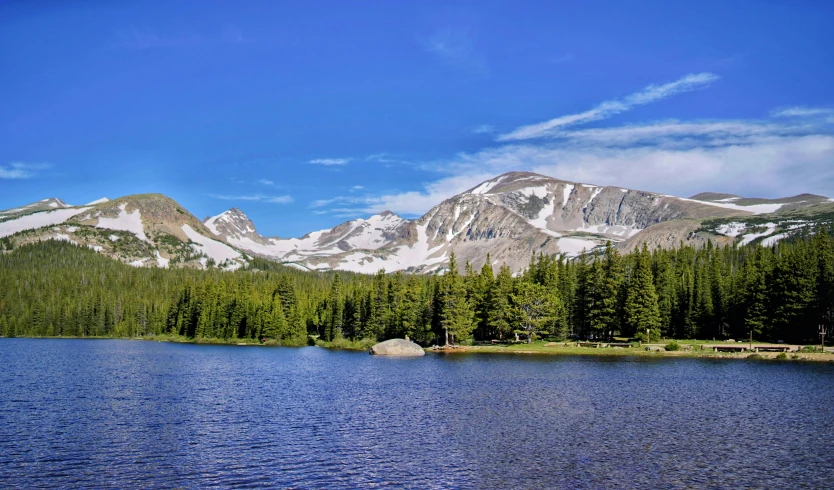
397, 347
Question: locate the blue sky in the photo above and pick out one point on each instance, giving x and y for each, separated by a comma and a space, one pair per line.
304, 114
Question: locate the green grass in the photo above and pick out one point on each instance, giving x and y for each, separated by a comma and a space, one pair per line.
347, 344
541, 347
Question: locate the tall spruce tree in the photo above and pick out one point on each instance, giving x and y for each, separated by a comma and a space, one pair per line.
457, 316
641, 310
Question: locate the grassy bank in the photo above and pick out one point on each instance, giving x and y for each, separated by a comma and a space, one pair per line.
570, 348
689, 348
347, 344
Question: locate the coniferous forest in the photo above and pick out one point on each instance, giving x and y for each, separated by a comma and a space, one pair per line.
784, 292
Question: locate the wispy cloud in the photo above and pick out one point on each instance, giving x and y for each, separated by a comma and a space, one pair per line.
329, 161
265, 182
483, 129
651, 93
21, 170
136, 38
801, 111
357, 188
455, 47
255, 197
380, 158
757, 158
320, 203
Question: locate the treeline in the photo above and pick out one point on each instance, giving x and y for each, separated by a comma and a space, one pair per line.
54, 288
784, 292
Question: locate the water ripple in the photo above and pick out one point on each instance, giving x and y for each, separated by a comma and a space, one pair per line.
117, 414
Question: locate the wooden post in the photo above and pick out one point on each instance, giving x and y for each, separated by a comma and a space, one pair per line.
822, 338
751, 339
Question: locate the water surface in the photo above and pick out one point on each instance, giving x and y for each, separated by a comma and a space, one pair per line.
116, 414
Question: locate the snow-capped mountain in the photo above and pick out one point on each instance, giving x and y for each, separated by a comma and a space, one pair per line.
509, 217
373, 233
141, 230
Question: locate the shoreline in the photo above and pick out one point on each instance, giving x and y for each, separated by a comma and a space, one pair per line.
562, 350
537, 348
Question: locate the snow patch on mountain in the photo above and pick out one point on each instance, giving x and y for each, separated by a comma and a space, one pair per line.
733, 229
540, 221
755, 208
771, 240
403, 257
131, 222
369, 233
38, 220
749, 237
98, 201
485, 187
161, 261
575, 246
218, 251
538, 191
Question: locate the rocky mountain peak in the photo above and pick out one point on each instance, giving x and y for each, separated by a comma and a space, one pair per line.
48, 204
233, 223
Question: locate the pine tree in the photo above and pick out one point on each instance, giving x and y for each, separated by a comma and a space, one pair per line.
457, 315
535, 308
337, 308
641, 310
500, 312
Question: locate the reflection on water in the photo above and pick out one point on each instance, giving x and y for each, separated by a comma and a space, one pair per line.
84, 413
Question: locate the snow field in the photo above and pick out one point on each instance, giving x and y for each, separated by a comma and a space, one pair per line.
38, 220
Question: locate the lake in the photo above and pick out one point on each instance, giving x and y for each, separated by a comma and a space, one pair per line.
123, 414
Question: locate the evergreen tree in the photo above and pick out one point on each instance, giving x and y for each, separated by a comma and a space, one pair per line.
457, 315
641, 309
500, 312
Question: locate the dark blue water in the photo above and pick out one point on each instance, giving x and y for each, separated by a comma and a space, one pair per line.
117, 414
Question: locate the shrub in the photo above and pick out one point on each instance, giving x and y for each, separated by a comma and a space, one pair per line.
672, 346
754, 356
782, 355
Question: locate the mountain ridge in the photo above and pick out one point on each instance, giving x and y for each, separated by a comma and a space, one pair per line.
510, 217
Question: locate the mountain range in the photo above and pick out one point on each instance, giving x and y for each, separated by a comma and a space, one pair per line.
509, 218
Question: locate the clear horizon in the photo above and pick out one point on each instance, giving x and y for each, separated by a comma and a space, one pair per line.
304, 116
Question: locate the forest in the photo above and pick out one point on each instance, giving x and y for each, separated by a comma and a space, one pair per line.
778, 293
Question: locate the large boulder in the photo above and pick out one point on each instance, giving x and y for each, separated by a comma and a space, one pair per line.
397, 347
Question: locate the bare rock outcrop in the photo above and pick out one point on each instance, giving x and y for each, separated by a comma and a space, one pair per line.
397, 347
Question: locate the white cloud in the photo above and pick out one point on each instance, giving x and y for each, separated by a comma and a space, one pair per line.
751, 158
265, 182
21, 170
357, 188
279, 199
801, 111
651, 93
255, 197
329, 161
